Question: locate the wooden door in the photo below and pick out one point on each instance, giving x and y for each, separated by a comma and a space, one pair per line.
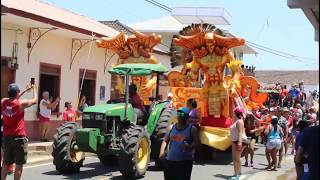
7, 77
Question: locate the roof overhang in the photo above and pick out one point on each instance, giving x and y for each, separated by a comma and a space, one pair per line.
57, 17
311, 9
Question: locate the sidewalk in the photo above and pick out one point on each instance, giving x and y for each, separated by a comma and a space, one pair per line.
39, 152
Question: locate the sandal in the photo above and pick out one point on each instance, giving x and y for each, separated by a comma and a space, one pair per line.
235, 177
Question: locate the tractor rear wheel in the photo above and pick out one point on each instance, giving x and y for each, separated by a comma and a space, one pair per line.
66, 157
134, 152
159, 133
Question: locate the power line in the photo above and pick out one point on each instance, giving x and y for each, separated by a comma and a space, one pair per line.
293, 56
278, 54
162, 4
164, 7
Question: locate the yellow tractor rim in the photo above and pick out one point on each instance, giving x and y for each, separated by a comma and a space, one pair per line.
142, 154
75, 155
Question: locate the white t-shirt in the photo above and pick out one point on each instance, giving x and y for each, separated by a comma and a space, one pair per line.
44, 111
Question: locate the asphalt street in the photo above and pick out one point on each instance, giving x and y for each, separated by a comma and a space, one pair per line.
92, 169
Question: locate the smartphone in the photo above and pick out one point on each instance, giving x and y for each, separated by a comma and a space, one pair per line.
32, 81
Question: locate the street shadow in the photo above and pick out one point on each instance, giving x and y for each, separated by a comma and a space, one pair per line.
96, 169
211, 156
260, 169
154, 169
119, 177
222, 176
262, 164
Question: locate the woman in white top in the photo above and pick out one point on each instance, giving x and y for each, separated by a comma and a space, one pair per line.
237, 133
45, 113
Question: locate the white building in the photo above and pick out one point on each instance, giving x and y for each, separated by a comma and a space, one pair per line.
51, 44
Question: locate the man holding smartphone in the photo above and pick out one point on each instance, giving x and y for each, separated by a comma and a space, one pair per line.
14, 139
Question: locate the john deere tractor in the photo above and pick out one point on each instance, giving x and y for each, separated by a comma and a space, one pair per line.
109, 131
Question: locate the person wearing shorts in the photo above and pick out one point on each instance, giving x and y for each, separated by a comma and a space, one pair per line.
251, 126
237, 134
45, 113
14, 140
274, 134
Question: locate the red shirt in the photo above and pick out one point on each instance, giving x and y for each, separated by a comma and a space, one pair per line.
290, 122
13, 118
137, 102
69, 115
283, 93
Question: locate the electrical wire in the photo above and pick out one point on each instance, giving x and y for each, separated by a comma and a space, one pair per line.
287, 54
278, 54
159, 5
162, 5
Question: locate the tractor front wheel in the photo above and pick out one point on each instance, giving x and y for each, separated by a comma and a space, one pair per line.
134, 152
66, 156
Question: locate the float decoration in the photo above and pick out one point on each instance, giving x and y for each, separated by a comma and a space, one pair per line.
203, 78
137, 48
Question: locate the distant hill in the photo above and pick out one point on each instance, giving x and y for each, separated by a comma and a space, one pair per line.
287, 77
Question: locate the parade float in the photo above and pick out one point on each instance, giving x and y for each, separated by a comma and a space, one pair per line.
136, 48
204, 52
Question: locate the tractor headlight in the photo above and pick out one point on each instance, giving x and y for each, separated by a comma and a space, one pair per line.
99, 117
86, 117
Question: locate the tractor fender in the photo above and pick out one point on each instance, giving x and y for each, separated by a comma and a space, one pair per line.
154, 116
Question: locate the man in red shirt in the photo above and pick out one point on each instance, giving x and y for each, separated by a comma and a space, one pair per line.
14, 140
136, 102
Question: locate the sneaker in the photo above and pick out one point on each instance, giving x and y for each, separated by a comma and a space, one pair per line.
246, 164
235, 177
251, 164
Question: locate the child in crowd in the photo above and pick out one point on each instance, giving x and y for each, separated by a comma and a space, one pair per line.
69, 114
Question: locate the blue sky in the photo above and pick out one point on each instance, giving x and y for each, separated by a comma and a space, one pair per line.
269, 23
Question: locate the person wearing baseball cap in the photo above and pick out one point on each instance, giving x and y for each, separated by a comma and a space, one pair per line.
14, 139
182, 138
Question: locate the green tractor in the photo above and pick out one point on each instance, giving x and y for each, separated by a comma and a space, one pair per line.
109, 131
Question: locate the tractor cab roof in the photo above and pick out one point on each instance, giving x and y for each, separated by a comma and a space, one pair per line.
138, 69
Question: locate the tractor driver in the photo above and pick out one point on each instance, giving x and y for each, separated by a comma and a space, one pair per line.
137, 103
